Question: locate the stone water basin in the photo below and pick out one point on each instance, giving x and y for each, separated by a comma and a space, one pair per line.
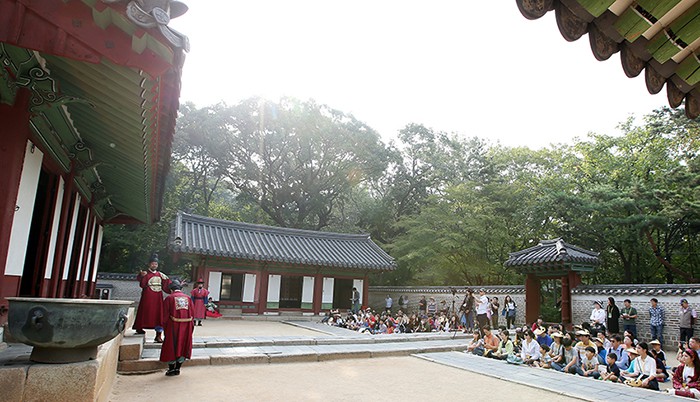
65, 330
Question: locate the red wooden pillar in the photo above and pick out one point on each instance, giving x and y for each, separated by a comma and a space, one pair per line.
365, 291
574, 280
61, 240
565, 302
532, 298
318, 293
15, 133
262, 291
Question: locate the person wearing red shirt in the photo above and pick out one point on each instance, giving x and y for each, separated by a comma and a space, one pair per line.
153, 283
200, 297
178, 326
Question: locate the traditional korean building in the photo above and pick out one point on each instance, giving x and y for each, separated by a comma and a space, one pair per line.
88, 100
658, 37
265, 270
552, 259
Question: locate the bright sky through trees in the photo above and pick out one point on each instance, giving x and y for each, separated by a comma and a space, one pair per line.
474, 67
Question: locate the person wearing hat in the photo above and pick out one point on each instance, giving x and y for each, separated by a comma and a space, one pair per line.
200, 297
632, 355
179, 325
602, 352
656, 320
584, 338
598, 316
149, 313
543, 337
688, 316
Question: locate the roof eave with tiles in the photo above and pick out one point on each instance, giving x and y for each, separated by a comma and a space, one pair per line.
202, 235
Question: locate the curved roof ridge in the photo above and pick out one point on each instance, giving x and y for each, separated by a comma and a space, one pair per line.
197, 234
270, 229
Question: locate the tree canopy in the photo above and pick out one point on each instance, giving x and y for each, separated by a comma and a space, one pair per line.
449, 208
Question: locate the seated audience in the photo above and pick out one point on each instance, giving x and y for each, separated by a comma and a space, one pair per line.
612, 370
644, 374
530, 349
570, 361
589, 363
687, 375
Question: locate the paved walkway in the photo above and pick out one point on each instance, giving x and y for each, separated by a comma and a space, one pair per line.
562, 384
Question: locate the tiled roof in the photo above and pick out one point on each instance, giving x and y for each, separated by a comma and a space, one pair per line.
549, 252
495, 289
634, 289
657, 37
208, 236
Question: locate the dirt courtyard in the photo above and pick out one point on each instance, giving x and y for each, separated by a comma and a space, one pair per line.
392, 378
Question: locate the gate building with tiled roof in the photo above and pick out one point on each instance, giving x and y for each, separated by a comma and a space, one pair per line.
266, 270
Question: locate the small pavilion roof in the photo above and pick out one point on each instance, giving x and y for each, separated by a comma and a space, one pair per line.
659, 37
553, 253
201, 235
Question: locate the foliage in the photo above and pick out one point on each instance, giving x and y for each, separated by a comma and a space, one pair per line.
448, 208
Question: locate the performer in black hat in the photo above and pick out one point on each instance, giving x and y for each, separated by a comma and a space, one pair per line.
149, 314
177, 319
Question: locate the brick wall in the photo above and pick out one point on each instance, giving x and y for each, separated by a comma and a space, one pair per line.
669, 297
377, 295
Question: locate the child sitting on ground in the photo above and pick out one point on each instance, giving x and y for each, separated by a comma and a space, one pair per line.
545, 359
589, 363
612, 372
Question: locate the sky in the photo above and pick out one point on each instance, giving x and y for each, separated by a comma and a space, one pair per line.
476, 68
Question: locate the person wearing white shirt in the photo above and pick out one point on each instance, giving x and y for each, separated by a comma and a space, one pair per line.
645, 367
598, 316
482, 308
530, 348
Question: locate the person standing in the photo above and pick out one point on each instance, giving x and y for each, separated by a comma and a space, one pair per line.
613, 317
200, 298
598, 316
688, 316
149, 314
403, 302
422, 306
482, 309
467, 309
629, 318
495, 305
510, 308
355, 299
389, 302
656, 320
179, 325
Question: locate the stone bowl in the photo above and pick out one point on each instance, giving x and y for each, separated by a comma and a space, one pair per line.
65, 330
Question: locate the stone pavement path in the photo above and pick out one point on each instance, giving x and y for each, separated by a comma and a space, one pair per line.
562, 384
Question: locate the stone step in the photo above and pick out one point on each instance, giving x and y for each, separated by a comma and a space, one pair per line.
219, 342
237, 356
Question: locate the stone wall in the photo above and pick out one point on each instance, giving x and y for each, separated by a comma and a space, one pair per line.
669, 297
377, 295
123, 286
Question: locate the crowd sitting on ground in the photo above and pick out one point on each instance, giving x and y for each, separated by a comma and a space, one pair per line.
431, 316
588, 352
372, 322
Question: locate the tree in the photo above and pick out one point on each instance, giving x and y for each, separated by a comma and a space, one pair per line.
299, 160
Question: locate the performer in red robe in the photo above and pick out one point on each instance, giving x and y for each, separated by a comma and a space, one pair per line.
149, 314
200, 297
177, 319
